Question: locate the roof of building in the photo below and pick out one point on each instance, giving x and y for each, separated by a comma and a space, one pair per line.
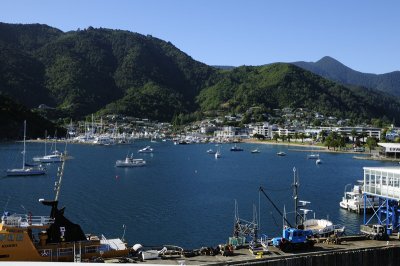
390, 169
389, 145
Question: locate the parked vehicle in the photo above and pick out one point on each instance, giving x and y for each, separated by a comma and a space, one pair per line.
293, 238
374, 231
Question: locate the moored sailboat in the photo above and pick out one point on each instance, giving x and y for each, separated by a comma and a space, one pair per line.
26, 170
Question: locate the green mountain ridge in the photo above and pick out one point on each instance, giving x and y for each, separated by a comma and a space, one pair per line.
113, 71
284, 85
332, 69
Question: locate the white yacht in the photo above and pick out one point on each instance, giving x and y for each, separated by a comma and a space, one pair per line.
353, 200
55, 157
130, 162
146, 149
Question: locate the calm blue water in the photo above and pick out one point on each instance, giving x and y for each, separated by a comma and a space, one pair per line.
183, 196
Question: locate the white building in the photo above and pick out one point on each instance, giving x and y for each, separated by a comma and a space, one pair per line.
262, 129
391, 150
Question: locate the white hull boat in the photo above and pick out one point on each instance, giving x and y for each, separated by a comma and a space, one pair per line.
26, 170
354, 201
323, 227
146, 149
130, 162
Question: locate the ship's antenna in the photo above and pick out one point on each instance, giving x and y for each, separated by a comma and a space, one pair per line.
6, 205
60, 174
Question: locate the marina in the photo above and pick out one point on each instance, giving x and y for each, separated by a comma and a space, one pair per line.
200, 192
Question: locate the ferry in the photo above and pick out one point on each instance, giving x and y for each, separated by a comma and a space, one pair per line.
53, 238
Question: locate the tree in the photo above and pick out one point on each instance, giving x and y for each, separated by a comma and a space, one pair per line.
289, 137
302, 136
296, 135
275, 137
371, 143
259, 136
353, 134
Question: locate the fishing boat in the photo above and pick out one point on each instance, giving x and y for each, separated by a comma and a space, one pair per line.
130, 162
26, 170
146, 149
25, 237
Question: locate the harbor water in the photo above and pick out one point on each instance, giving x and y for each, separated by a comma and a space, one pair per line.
183, 196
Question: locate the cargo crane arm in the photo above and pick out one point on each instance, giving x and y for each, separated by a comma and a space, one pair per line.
273, 204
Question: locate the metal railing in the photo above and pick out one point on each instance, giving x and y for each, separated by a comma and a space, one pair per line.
25, 220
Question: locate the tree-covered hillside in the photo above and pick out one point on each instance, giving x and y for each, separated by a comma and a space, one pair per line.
81, 72
113, 71
12, 116
285, 85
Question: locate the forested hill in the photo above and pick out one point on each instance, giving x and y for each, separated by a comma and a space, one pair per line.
284, 85
332, 69
12, 116
82, 71
113, 71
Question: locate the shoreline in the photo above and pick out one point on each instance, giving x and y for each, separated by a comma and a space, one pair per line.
315, 148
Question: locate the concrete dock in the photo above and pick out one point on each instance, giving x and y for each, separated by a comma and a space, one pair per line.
350, 251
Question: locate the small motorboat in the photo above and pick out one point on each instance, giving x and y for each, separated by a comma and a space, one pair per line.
318, 161
130, 162
146, 149
210, 151
255, 151
236, 148
281, 153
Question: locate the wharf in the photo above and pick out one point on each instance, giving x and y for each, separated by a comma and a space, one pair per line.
351, 251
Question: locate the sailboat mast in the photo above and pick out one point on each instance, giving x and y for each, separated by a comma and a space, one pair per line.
45, 142
23, 152
295, 196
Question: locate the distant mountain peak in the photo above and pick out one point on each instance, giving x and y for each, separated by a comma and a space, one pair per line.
328, 59
334, 70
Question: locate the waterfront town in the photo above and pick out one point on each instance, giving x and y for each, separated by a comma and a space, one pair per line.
285, 126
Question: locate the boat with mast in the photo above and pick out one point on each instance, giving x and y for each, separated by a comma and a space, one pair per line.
54, 157
26, 170
25, 237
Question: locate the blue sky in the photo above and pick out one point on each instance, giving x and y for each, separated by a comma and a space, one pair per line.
364, 35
